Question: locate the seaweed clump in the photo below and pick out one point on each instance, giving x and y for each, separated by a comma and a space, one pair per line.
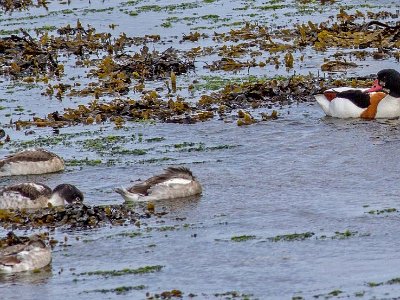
11, 5
23, 56
78, 216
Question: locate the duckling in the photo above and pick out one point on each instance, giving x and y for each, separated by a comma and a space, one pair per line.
32, 161
175, 182
37, 195
31, 255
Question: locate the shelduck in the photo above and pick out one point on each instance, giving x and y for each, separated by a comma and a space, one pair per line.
32, 161
37, 195
382, 100
175, 182
30, 255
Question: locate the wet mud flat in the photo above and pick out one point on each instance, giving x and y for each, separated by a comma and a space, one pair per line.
295, 205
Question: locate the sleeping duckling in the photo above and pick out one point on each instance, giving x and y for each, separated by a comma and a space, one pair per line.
33, 161
30, 255
175, 182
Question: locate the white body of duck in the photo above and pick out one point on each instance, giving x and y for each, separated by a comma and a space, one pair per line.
175, 182
370, 103
37, 195
28, 256
33, 161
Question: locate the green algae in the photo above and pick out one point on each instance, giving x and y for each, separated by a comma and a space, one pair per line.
155, 139
121, 290
167, 228
292, 237
271, 7
83, 162
334, 293
243, 238
234, 295
141, 270
130, 234
156, 160
374, 284
393, 281
199, 147
344, 235
123, 151
382, 211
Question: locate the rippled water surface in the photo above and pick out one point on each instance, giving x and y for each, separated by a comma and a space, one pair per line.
302, 173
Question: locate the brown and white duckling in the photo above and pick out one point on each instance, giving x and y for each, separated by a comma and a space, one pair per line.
37, 195
31, 255
175, 182
32, 161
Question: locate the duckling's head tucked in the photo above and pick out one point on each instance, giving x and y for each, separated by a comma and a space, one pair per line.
36, 243
66, 194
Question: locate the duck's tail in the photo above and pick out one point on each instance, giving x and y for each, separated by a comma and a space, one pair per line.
127, 195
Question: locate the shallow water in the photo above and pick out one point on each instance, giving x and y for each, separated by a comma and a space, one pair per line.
301, 173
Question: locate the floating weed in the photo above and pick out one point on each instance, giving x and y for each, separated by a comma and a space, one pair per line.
167, 228
334, 293
393, 281
127, 234
156, 160
389, 282
9, 32
142, 270
147, 8
83, 162
183, 145
169, 8
41, 142
166, 24
270, 7
118, 290
129, 151
242, 238
344, 235
382, 211
374, 284
212, 82
170, 227
233, 294
292, 237
359, 294
155, 139
210, 17
10, 6
199, 147
100, 144
166, 295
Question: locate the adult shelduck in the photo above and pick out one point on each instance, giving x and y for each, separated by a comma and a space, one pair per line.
32, 161
27, 256
175, 182
37, 195
382, 100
